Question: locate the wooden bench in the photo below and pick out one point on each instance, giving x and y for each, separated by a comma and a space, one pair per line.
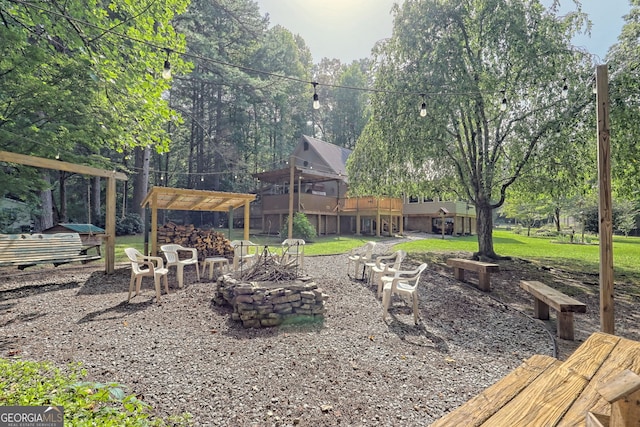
24, 250
564, 305
484, 270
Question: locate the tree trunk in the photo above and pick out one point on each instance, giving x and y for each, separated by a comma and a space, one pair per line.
62, 178
141, 181
45, 219
556, 218
484, 225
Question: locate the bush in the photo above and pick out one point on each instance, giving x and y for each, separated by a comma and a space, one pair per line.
26, 383
302, 228
130, 224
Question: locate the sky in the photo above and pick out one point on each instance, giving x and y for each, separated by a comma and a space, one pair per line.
348, 29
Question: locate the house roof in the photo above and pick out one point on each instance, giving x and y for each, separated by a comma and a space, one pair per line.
333, 167
78, 228
333, 155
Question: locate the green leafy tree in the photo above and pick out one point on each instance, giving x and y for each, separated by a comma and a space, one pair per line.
497, 79
624, 76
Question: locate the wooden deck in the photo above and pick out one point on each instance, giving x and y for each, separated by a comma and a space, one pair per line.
546, 392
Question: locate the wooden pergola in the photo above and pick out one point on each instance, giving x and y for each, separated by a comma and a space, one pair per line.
183, 199
111, 176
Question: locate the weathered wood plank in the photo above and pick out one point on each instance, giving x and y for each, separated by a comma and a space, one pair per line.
471, 265
480, 408
625, 355
546, 400
552, 297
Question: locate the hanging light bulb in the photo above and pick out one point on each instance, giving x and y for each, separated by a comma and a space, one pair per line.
565, 88
316, 102
503, 106
202, 178
58, 155
166, 70
423, 108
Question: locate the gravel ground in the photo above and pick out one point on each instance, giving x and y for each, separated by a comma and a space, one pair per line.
187, 355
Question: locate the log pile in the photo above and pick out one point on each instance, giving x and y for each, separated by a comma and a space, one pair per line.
209, 243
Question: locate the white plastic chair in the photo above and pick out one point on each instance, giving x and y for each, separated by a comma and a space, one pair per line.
244, 251
171, 252
381, 269
360, 256
143, 265
405, 284
293, 252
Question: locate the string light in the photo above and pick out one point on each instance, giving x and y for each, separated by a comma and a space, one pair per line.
423, 108
202, 178
316, 102
565, 88
503, 106
58, 155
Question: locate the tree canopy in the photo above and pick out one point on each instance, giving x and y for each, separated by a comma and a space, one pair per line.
497, 78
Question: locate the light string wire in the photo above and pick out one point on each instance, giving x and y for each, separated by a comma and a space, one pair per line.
242, 67
60, 154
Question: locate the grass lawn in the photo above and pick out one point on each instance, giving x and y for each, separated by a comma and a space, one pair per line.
545, 250
324, 245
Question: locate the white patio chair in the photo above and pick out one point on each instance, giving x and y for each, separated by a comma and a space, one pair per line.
244, 252
388, 268
360, 256
143, 265
293, 252
172, 253
405, 284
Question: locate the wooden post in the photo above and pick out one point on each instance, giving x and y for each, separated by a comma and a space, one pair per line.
230, 222
378, 217
110, 226
154, 224
247, 220
292, 177
605, 204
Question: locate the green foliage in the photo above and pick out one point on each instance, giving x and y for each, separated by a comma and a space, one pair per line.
302, 228
85, 403
465, 58
131, 223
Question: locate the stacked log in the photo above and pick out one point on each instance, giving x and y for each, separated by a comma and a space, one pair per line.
209, 243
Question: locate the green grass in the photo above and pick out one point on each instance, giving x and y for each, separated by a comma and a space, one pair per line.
577, 257
324, 245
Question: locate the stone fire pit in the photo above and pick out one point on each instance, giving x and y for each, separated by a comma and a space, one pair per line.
263, 304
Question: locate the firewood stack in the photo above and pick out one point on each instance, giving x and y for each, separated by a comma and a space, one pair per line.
209, 243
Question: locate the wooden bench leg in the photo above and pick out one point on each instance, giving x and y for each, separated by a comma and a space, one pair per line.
484, 282
540, 310
565, 325
458, 273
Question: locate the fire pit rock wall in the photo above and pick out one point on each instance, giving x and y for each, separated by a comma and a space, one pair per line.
263, 304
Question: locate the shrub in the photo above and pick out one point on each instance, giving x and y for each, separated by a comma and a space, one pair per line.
26, 383
302, 228
130, 224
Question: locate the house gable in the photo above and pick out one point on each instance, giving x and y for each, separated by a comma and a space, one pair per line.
321, 156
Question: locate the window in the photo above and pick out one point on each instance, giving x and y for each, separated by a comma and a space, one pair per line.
413, 199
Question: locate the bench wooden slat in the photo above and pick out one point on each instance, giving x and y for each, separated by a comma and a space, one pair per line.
484, 270
552, 297
477, 410
30, 249
564, 306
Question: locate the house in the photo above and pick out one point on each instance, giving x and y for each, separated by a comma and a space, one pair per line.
426, 214
317, 171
